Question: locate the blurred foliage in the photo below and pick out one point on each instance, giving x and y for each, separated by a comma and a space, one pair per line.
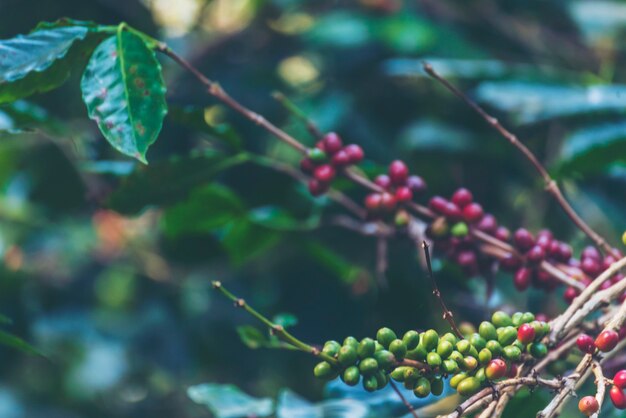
107, 262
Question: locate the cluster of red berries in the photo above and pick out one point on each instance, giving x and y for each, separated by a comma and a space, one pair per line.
589, 405
593, 264
399, 187
605, 341
327, 158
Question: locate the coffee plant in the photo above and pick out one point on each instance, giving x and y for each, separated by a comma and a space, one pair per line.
488, 364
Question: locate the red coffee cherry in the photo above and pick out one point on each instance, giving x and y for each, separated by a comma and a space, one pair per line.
387, 202
324, 173
462, 197
317, 188
467, 260
544, 239
565, 251
617, 397
438, 204
585, 344
372, 202
496, 369
619, 379
355, 153
502, 233
607, 340
398, 172
526, 333
452, 211
510, 262
522, 278
332, 143
570, 294
591, 252
416, 184
341, 159
535, 255
383, 181
512, 371
488, 224
307, 165
404, 194
590, 266
588, 405
473, 212
523, 239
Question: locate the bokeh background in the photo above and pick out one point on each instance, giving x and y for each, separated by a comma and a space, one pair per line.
106, 264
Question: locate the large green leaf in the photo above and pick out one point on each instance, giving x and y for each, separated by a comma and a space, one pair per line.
41, 60
11, 340
125, 94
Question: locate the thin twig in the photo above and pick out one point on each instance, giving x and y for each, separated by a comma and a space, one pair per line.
550, 184
601, 384
403, 399
447, 314
298, 113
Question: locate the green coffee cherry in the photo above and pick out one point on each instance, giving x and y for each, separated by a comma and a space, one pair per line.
459, 229
385, 336
501, 319
450, 337
468, 386
398, 348
331, 348
352, 342
527, 317
469, 363
512, 353
436, 386
323, 370
398, 373
450, 366
419, 353
463, 346
444, 349
456, 379
368, 366
456, 356
478, 342
386, 360
517, 319
422, 389
316, 155
381, 379
507, 335
480, 375
378, 346
347, 355
411, 374
537, 350
466, 328
495, 348
433, 359
370, 383
488, 331
430, 339
351, 376
411, 339
484, 356
367, 347
473, 352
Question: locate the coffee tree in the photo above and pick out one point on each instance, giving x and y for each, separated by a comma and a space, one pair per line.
488, 363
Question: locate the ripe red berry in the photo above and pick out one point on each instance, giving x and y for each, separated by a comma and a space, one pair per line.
321, 145
607, 340
372, 202
317, 188
355, 153
452, 211
588, 405
535, 255
570, 294
340, 159
324, 173
590, 266
332, 143
510, 262
619, 379
467, 260
502, 233
488, 224
416, 184
404, 194
607, 261
591, 252
438, 204
526, 333
307, 165
387, 202
383, 181
522, 278
565, 251
473, 212
523, 239
496, 369
544, 239
398, 172
617, 397
462, 197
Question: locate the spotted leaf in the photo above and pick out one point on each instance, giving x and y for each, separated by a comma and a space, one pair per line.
124, 92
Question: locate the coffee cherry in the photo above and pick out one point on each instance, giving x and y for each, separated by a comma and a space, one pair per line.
477, 341
385, 336
494, 347
619, 379
387, 202
502, 233
487, 330
523, 239
324, 370
459, 230
331, 348
416, 184
340, 159
444, 349
452, 339
404, 194
462, 197
370, 383
436, 386
473, 212
398, 172
488, 224
387, 359
468, 386
411, 339
324, 173
452, 211
450, 366
422, 389
591, 252
456, 379
367, 347
332, 143
510, 262
351, 376
538, 350
585, 344
383, 181
430, 339
536, 254
433, 359
355, 153
373, 202
438, 204
316, 155
590, 266
381, 379
347, 355
496, 369
522, 278
352, 342
607, 340
402, 218
368, 366
588, 405
467, 260
398, 348
307, 165
512, 353
570, 294
501, 319
624, 238
317, 188
484, 356
526, 333
565, 252
469, 363
617, 397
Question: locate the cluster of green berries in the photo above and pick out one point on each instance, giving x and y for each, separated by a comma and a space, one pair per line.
421, 361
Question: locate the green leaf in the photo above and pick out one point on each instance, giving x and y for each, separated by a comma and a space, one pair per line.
276, 218
342, 268
245, 241
194, 118
252, 337
41, 60
17, 343
207, 208
227, 401
125, 94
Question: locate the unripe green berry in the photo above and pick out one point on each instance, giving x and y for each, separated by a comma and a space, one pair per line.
323, 370
495, 348
422, 389
517, 319
463, 346
480, 375
501, 319
466, 328
385, 336
527, 317
539, 329
331, 348
367, 347
378, 346
484, 356
450, 337
368, 366
450, 366
347, 355
370, 383
537, 350
473, 352
512, 353
459, 229
419, 353
468, 386
398, 348
436, 386
624, 238
488, 331
316, 155
433, 359
456, 379
507, 335
397, 374
351, 341
411, 339
430, 339
478, 342
411, 374
456, 356
469, 363
381, 379
351, 376
444, 349
386, 360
